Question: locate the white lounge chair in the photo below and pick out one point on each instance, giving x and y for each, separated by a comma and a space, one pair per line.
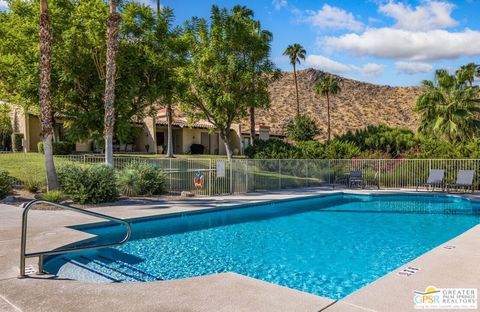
435, 178
464, 180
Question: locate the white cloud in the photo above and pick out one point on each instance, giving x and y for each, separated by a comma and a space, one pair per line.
326, 64
331, 66
430, 15
400, 44
333, 18
412, 68
278, 4
370, 69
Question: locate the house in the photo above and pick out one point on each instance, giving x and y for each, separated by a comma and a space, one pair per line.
152, 134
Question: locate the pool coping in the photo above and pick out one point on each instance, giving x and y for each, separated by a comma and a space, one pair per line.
266, 202
287, 295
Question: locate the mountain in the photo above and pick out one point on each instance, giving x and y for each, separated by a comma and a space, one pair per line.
358, 104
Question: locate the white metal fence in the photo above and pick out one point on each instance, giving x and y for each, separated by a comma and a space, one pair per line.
250, 175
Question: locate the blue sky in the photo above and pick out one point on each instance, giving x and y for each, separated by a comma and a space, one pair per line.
384, 42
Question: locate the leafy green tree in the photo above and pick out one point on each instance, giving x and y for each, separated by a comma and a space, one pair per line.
262, 69
327, 86
449, 108
303, 128
218, 80
171, 56
78, 63
295, 53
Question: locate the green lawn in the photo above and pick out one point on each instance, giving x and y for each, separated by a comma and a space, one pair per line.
31, 165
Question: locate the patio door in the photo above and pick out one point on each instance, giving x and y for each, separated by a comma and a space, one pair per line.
205, 141
177, 142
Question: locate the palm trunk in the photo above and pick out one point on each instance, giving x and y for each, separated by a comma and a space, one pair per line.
296, 89
328, 117
169, 130
45, 35
252, 124
113, 24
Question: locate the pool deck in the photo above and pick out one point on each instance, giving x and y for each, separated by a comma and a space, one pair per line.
456, 267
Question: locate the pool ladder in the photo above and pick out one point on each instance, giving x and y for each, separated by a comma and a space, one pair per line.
41, 254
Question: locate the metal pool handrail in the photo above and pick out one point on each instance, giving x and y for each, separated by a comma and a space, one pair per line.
40, 254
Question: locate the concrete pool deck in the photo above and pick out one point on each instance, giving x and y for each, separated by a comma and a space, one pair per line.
456, 267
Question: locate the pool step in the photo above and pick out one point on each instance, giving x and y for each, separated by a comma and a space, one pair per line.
102, 268
112, 270
146, 277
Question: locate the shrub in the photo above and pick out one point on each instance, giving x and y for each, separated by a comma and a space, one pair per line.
386, 140
436, 148
59, 148
341, 150
17, 142
33, 185
141, 178
53, 196
272, 149
311, 149
6, 186
303, 128
90, 184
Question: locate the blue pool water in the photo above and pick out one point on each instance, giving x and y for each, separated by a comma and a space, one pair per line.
328, 246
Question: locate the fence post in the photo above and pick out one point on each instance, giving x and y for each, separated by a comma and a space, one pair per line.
210, 168
306, 173
379, 170
279, 176
231, 177
329, 169
246, 176
170, 174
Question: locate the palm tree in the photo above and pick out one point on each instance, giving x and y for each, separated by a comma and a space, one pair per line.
113, 25
449, 108
168, 107
45, 36
467, 73
326, 87
296, 53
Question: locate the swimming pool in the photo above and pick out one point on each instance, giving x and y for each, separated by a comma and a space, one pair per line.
328, 246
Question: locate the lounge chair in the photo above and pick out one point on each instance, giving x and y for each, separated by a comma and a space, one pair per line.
356, 178
435, 178
464, 180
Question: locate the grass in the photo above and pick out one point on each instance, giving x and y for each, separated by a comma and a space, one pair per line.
31, 167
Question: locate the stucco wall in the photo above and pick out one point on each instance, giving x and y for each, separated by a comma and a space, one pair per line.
189, 137
146, 136
34, 130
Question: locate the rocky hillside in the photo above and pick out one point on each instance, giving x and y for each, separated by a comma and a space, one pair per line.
358, 104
